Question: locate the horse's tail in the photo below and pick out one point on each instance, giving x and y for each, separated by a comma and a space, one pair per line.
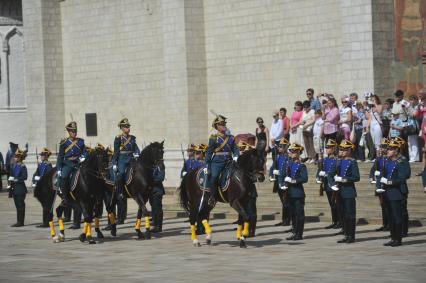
183, 196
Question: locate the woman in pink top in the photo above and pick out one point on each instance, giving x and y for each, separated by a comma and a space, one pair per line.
331, 119
296, 127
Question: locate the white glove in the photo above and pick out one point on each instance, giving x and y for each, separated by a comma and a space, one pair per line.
206, 171
37, 178
335, 188
283, 188
321, 173
379, 191
59, 173
11, 179
183, 173
81, 159
376, 173
338, 179
276, 172
33, 185
384, 180
235, 158
114, 168
287, 179
318, 181
135, 155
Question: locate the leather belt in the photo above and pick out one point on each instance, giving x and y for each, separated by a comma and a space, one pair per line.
223, 153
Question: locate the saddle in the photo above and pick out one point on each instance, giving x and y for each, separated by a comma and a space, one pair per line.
110, 178
224, 179
72, 180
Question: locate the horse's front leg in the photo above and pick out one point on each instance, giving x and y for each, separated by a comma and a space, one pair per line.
245, 218
88, 218
98, 214
143, 211
61, 236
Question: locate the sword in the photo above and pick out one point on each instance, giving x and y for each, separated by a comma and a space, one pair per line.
204, 191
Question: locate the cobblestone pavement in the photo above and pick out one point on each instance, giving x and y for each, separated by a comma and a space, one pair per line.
28, 254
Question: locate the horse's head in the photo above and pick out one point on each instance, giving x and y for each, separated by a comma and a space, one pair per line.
101, 159
253, 161
153, 153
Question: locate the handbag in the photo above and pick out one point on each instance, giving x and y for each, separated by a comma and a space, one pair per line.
411, 128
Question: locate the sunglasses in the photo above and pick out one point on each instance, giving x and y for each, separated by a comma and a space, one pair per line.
260, 122
72, 131
293, 150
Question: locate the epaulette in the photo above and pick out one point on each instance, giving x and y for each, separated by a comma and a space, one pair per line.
62, 141
213, 136
118, 136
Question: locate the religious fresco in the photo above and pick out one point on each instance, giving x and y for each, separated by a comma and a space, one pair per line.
410, 19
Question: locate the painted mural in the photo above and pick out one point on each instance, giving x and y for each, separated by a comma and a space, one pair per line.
410, 46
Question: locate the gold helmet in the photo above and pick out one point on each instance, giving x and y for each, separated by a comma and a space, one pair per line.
71, 126
384, 141
346, 144
202, 147
283, 141
124, 123
192, 147
218, 120
99, 146
295, 147
45, 151
110, 152
89, 149
19, 153
331, 143
394, 143
400, 141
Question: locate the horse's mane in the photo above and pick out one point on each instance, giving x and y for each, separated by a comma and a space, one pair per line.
244, 159
146, 151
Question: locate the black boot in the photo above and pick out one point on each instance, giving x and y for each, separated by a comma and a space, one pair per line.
119, 190
404, 230
293, 230
351, 229
331, 226
300, 228
20, 216
344, 231
397, 239
160, 221
45, 222
212, 198
253, 223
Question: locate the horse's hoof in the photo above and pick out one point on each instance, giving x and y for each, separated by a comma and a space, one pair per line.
82, 237
243, 244
196, 243
140, 235
114, 230
91, 241
148, 234
208, 242
100, 235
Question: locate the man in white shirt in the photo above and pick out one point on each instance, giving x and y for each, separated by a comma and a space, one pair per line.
400, 105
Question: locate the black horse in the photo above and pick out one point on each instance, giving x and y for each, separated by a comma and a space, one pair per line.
139, 187
247, 169
88, 193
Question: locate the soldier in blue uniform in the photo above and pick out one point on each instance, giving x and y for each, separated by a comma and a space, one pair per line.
280, 162
190, 163
342, 177
394, 176
18, 190
220, 153
328, 163
108, 194
199, 156
42, 168
2, 170
72, 152
375, 175
125, 148
158, 191
291, 178
404, 186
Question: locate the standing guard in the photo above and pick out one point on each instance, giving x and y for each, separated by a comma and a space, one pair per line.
327, 163
376, 173
394, 174
158, 191
125, 148
220, 153
342, 177
42, 168
278, 165
18, 190
190, 163
72, 152
10, 161
292, 177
